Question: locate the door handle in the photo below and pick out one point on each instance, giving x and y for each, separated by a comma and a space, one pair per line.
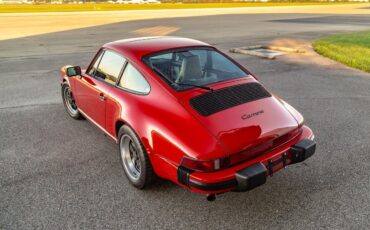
102, 97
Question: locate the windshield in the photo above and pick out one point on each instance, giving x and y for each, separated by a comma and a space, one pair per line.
185, 69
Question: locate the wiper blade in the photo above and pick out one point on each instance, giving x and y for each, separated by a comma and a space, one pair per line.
197, 86
179, 83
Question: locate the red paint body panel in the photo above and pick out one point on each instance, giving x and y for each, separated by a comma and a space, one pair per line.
87, 93
170, 128
237, 134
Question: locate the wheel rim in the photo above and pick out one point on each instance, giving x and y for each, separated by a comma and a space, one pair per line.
130, 157
70, 101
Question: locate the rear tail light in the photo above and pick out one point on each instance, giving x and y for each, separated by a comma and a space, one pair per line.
222, 163
205, 166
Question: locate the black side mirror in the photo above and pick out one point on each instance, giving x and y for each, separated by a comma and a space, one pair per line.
73, 71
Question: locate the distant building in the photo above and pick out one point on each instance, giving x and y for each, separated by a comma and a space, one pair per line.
16, 1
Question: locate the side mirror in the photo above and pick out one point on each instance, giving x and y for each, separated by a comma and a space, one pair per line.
73, 71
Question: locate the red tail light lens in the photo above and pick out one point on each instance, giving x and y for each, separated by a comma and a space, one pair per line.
205, 166
222, 163
264, 147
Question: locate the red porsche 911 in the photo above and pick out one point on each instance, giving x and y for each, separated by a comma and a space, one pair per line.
182, 110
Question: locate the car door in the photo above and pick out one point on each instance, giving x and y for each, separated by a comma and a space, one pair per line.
94, 85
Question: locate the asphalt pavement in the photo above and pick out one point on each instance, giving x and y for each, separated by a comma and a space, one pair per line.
59, 173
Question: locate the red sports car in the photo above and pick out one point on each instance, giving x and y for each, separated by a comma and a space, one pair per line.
182, 110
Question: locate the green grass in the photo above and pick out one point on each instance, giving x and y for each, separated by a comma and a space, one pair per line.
109, 7
352, 49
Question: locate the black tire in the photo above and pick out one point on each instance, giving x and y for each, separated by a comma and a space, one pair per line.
69, 103
126, 137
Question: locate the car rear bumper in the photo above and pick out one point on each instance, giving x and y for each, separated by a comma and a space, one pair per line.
251, 174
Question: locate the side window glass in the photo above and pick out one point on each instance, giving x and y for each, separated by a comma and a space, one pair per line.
95, 66
110, 67
133, 80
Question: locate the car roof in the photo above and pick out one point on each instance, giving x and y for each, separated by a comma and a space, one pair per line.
139, 47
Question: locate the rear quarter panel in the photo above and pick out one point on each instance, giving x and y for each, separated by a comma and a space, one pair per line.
167, 130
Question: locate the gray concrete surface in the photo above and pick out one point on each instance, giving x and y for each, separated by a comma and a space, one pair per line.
58, 173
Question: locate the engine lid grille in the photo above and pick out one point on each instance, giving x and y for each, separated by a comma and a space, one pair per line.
218, 100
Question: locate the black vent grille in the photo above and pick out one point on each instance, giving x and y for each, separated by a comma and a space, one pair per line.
218, 100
